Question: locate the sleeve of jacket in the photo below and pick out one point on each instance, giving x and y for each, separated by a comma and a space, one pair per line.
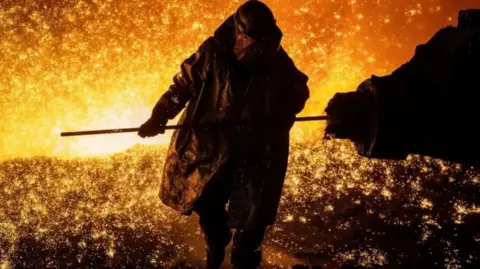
398, 111
185, 83
296, 91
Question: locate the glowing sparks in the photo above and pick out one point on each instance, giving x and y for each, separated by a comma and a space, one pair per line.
100, 64
427, 204
386, 193
103, 64
289, 218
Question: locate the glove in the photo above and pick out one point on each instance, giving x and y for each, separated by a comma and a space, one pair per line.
352, 113
153, 126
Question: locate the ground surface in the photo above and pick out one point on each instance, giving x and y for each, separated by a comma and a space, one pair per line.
340, 209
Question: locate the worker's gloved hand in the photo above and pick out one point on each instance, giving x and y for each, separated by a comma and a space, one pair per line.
352, 115
153, 127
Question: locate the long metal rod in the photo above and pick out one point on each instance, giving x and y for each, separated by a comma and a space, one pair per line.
170, 127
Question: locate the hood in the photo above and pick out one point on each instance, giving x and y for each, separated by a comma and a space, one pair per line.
225, 34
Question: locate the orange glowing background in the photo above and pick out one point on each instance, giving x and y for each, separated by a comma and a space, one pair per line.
88, 64
68, 65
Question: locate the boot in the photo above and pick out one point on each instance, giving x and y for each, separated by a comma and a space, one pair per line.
246, 250
215, 258
245, 267
252, 262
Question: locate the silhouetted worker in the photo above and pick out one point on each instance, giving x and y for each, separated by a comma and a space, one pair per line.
241, 73
428, 106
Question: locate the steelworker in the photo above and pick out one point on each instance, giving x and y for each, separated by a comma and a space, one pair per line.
240, 74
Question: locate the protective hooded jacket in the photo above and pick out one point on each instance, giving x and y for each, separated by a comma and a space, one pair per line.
212, 88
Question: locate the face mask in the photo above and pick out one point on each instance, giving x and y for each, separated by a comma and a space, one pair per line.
250, 51
245, 48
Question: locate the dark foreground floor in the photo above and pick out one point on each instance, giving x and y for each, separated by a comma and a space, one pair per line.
337, 209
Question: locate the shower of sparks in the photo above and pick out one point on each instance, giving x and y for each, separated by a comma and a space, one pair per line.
92, 64
88, 64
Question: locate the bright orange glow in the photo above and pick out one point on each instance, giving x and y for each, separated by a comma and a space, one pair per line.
94, 64
103, 64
